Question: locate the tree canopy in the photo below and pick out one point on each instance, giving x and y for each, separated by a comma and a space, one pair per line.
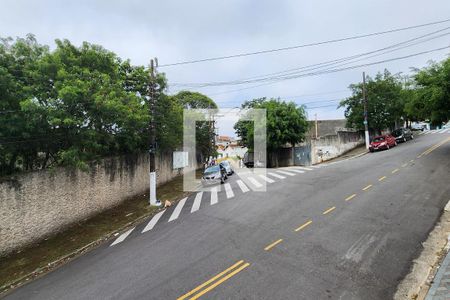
286, 123
75, 104
393, 99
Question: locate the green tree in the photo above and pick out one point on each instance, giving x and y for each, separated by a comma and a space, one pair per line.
286, 123
385, 104
431, 97
75, 104
204, 131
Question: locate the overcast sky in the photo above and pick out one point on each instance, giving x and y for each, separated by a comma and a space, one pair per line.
185, 30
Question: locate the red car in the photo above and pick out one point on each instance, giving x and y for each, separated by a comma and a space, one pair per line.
382, 142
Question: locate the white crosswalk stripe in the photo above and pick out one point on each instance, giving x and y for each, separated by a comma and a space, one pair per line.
228, 191
304, 168
197, 202
153, 221
276, 175
296, 171
242, 185
254, 182
214, 199
286, 173
176, 212
267, 179
122, 237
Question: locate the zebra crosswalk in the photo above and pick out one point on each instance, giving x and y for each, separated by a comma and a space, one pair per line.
434, 131
246, 182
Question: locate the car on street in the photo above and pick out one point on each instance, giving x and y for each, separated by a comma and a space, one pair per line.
228, 167
214, 175
382, 142
402, 134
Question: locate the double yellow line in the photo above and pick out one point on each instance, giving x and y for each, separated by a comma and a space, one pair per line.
429, 150
215, 281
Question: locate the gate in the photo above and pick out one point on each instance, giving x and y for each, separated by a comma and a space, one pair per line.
302, 155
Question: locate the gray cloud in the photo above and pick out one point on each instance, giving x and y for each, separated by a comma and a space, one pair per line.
183, 30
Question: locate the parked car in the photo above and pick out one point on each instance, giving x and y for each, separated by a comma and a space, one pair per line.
214, 175
248, 159
382, 142
402, 134
446, 126
228, 168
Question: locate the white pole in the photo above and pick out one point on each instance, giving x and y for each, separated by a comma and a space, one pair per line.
153, 200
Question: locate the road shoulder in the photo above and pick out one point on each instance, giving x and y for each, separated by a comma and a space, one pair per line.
424, 270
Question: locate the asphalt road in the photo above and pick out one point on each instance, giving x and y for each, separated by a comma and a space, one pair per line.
355, 249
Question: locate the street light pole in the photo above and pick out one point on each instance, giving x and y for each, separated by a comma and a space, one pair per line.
152, 146
366, 126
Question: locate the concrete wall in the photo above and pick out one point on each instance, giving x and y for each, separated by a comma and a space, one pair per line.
325, 127
331, 146
283, 157
37, 204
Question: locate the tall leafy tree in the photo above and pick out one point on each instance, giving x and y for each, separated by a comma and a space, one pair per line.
385, 105
431, 97
286, 123
204, 131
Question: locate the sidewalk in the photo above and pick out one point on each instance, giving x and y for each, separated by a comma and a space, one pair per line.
440, 289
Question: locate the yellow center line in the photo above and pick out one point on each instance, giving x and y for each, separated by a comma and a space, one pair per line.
367, 187
212, 286
273, 244
211, 280
350, 197
329, 210
382, 178
394, 171
303, 226
432, 148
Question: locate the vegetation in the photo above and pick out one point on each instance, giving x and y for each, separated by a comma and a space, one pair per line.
286, 123
393, 99
76, 104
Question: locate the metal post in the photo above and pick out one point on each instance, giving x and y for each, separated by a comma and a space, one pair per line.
152, 146
366, 126
316, 125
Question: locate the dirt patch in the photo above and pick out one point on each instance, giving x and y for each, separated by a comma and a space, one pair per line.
417, 283
37, 259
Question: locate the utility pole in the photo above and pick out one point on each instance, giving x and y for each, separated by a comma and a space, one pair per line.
366, 126
152, 145
316, 124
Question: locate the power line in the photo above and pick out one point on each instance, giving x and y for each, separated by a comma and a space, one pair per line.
303, 45
283, 78
327, 64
